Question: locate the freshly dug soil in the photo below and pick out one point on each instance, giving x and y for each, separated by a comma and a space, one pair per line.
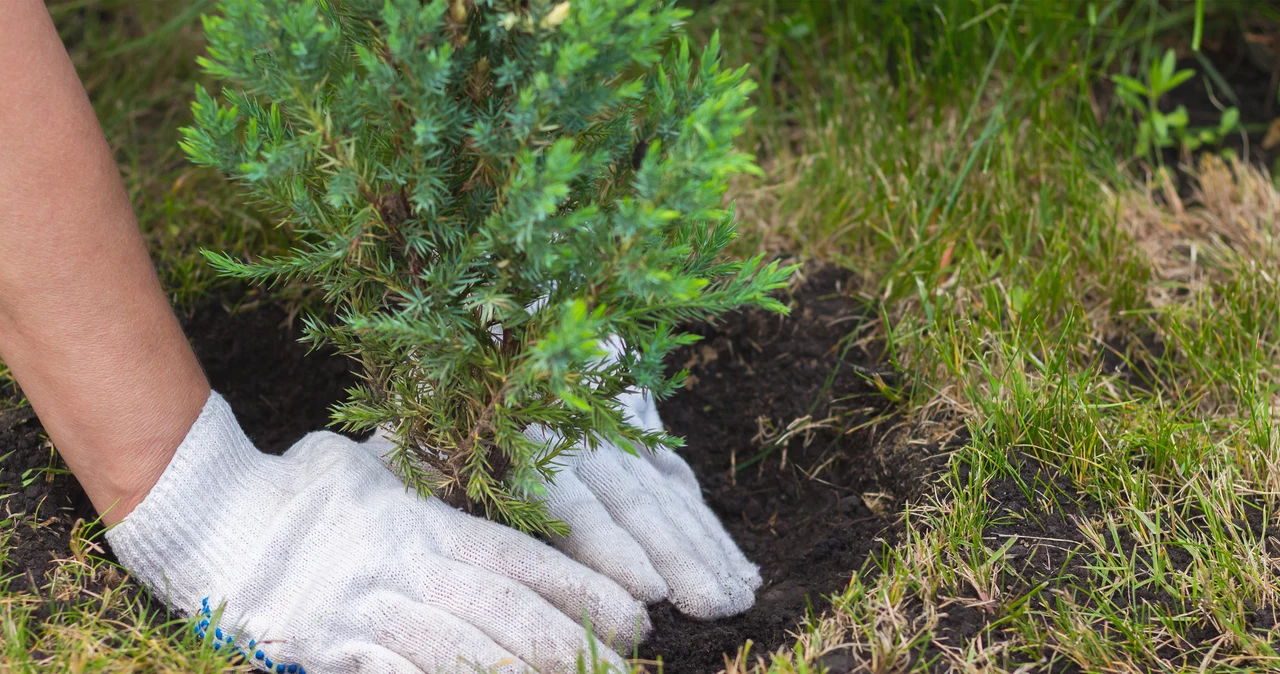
810, 512
279, 392
52, 498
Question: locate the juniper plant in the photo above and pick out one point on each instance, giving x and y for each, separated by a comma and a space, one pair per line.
484, 190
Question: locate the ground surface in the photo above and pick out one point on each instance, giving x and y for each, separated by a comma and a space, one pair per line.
278, 391
54, 499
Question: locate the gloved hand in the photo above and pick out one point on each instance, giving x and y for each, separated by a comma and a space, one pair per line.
324, 563
641, 521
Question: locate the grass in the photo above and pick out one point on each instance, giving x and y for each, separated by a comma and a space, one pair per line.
951, 155
1108, 342
86, 618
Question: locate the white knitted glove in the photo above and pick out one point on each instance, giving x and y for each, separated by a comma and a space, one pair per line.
325, 564
641, 521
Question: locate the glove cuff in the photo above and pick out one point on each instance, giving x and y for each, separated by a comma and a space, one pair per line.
177, 534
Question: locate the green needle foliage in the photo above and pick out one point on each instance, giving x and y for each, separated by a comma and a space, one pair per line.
485, 190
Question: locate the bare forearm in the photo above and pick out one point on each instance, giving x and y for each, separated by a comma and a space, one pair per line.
84, 325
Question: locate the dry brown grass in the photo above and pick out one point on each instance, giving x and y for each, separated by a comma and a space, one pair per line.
1230, 219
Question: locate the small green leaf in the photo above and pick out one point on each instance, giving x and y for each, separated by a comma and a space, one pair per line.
1130, 84
1177, 80
1167, 66
1160, 125
1230, 119
1131, 99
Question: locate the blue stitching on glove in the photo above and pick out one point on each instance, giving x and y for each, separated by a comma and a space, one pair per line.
220, 639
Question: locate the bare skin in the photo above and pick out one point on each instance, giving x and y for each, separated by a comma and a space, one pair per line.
84, 325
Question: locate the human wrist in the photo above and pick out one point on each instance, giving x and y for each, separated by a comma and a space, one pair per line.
213, 472
119, 497
115, 399
119, 463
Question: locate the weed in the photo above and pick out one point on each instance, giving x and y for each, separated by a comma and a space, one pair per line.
1163, 129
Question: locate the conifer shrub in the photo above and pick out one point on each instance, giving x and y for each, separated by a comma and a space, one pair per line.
484, 191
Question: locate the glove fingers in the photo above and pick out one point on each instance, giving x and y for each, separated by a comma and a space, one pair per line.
700, 584
570, 587
370, 659
669, 464
511, 614
747, 572
678, 472
597, 541
680, 476
440, 643
643, 411
640, 410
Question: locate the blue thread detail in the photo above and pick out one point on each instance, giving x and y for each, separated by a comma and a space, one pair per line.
222, 638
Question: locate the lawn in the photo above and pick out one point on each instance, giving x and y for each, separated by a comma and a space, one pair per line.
1084, 329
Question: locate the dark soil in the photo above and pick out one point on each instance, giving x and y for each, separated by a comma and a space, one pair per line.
51, 497
279, 392
810, 512
800, 512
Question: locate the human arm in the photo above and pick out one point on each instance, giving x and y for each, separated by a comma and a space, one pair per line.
320, 558
84, 325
